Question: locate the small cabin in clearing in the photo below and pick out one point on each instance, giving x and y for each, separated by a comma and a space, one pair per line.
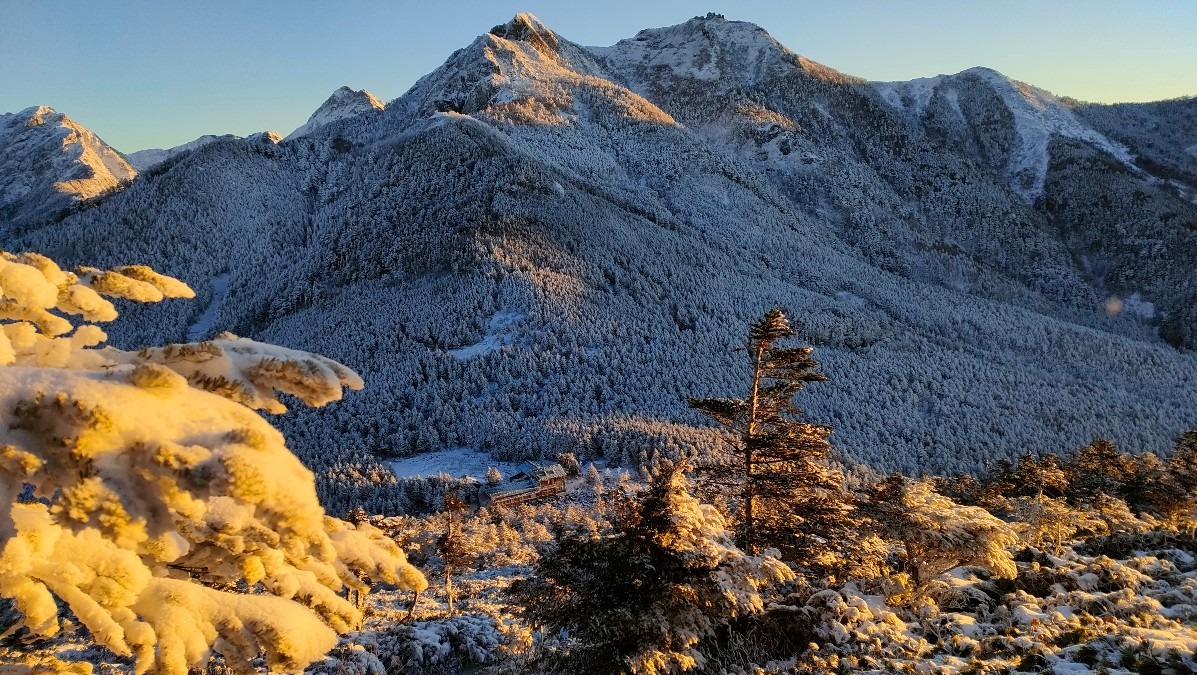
538, 480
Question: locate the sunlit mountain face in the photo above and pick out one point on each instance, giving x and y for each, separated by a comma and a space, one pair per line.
545, 247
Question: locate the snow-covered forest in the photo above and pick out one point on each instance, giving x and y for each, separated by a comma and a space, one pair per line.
544, 247
156, 523
556, 252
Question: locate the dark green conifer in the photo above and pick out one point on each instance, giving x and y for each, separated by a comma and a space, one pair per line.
785, 494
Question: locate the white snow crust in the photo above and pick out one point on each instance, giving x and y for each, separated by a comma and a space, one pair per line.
203, 324
912, 96
460, 462
700, 49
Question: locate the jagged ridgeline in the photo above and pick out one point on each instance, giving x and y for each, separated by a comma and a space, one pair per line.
544, 247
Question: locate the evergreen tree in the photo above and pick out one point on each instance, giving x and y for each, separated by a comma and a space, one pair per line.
1184, 460
569, 462
1039, 476
1049, 521
594, 481
788, 497
493, 476
452, 545
640, 599
1099, 467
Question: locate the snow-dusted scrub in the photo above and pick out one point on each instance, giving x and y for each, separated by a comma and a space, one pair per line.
1127, 600
934, 535
1061, 614
446, 645
142, 491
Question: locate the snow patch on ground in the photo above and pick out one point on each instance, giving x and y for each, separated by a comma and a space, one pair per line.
1183, 190
203, 325
850, 298
1138, 307
457, 462
953, 98
497, 335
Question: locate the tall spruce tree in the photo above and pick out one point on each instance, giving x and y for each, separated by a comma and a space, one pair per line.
784, 493
452, 545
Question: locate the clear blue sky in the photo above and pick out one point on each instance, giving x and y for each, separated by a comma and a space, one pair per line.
159, 73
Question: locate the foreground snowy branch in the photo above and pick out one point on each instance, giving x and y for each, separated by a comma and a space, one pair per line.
159, 491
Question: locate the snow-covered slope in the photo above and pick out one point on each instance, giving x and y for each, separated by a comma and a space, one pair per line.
638, 206
1037, 116
146, 159
343, 103
48, 162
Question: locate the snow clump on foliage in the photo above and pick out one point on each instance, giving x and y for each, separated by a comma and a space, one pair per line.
159, 490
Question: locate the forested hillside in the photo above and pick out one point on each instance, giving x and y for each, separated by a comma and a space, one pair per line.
544, 247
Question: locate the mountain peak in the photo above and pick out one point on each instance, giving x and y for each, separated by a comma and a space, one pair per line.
346, 94
266, 137
39, 114
48, 161
525, 27
710, 49
521, 72
344, 102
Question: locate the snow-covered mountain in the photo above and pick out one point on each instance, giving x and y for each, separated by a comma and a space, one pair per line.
961, 107
343, 103
48, 162
544, 247
143, 160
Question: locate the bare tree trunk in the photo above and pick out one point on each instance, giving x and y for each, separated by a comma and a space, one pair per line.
750, 433
412, 609
449, 587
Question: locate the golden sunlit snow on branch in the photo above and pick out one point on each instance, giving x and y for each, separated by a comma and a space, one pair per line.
157, 489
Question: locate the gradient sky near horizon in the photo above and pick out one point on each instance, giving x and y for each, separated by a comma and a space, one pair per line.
159, 73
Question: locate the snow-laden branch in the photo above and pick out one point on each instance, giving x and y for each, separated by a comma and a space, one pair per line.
158, 486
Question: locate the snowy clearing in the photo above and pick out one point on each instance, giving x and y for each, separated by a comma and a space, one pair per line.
203, 325
497, 335
457, 462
